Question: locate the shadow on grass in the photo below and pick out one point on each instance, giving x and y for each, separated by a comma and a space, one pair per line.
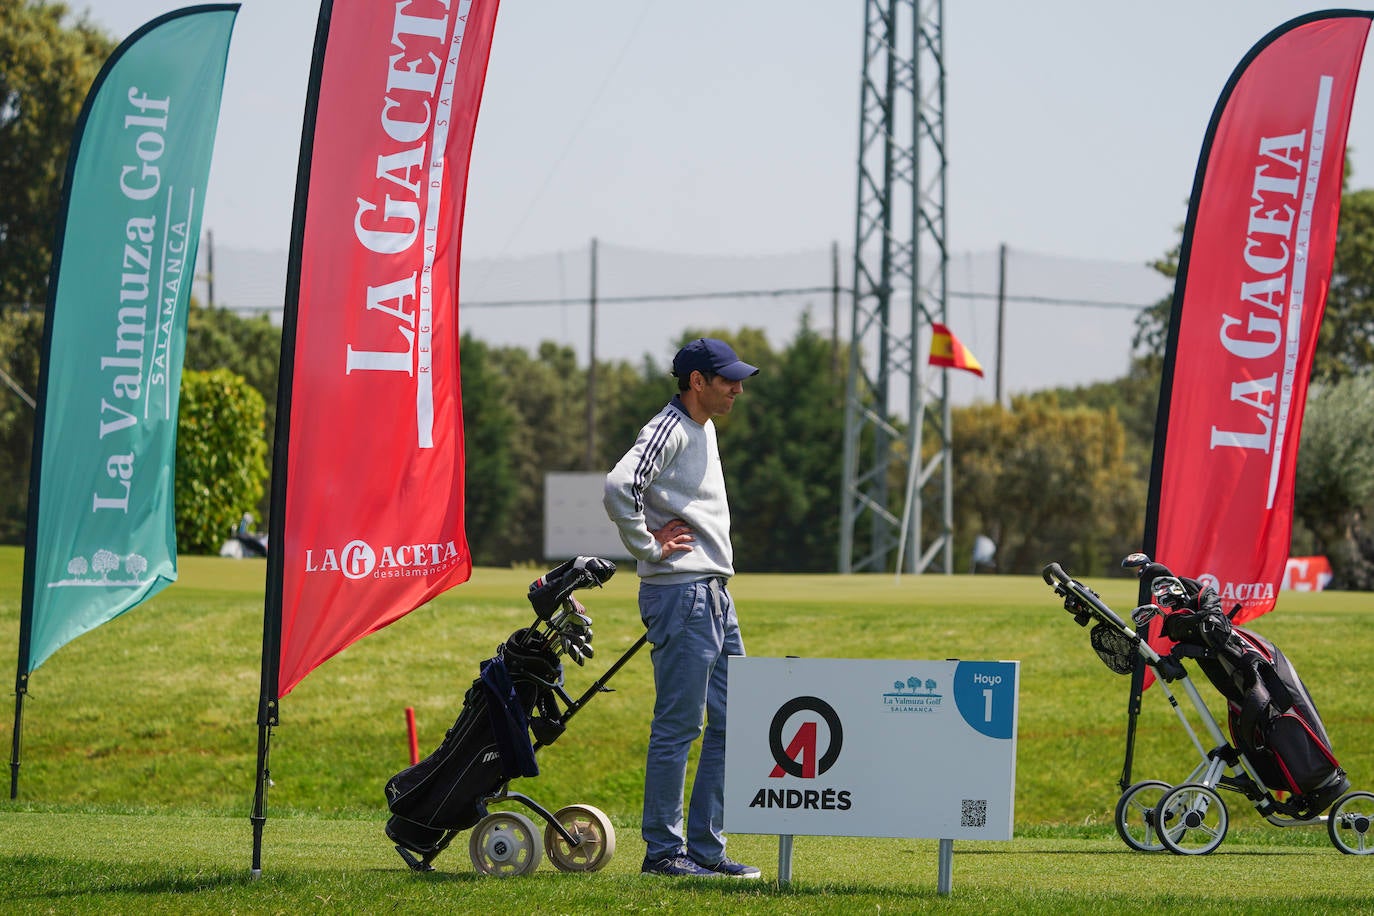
688, 888
35, 877
440, 875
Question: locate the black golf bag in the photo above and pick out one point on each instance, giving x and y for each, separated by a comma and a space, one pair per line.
1272, 718
487, 746
518, 693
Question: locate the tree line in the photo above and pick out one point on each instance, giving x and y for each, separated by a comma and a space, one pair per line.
1059, 475
1042, 479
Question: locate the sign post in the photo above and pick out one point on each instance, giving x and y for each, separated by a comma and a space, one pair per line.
872, 747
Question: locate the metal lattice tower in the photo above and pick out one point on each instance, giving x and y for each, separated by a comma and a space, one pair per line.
900, 269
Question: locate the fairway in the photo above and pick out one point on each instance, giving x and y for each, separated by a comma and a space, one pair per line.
139, 744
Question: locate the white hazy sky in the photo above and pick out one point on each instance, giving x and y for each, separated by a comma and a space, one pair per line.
731, 127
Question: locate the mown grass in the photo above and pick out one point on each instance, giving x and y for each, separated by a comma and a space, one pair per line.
183, 864
139, 744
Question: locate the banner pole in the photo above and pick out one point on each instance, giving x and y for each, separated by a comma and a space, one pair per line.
269, 696
259, 815
14, 745
25, 664
21, 677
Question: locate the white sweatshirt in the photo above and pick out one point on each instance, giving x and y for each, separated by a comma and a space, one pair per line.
673, 471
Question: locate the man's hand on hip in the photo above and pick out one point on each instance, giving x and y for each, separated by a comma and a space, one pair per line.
674, 537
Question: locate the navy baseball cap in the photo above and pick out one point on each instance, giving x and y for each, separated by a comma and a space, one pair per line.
707, 354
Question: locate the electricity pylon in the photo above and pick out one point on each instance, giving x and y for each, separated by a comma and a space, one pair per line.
901, 261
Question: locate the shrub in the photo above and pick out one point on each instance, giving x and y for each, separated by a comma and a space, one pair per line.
221, 468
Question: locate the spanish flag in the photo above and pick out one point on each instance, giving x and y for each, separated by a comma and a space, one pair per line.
945, 350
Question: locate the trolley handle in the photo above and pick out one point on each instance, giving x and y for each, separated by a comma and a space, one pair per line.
1082, 602
1086, 606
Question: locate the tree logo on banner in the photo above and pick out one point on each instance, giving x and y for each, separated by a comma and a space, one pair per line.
102, 563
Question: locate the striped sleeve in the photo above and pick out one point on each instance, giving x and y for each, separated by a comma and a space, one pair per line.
631, 477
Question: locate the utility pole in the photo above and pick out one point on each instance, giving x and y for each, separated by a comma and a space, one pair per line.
210, 269
835, 310
591, 371
1001, 314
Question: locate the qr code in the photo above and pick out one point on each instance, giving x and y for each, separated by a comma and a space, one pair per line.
975, 813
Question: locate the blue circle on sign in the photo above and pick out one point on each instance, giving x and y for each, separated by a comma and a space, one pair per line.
985, 693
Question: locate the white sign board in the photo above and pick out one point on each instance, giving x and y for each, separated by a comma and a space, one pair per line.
848, 747
575, 522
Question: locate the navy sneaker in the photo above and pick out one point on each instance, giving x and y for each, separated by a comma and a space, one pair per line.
731, 869
678, 866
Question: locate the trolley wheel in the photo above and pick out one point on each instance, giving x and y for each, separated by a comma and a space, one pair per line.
1191, 819
505, 844
1351, 823
592, 827
1135, 815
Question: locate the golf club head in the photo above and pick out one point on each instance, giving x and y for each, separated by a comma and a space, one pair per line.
549, 591
574, 615
1169, 592
595, 570
1135, 561
575, 653
1145, 613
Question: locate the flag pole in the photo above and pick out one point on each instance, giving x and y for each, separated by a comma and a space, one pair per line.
25, 666
269, 694
271, 643
913, 466
19, 691
21, 677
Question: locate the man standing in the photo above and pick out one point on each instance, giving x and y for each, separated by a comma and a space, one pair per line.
667, 497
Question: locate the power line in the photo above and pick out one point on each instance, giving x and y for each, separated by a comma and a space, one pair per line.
657, 297
796, 291
1058, 301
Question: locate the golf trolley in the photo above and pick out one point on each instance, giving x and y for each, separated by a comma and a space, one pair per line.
1278, 743
519, 692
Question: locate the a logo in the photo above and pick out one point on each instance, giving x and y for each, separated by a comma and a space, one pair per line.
1244, 592
359, 560
104, 564
913, 695
801, 757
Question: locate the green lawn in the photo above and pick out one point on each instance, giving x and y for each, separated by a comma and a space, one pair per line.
139, 745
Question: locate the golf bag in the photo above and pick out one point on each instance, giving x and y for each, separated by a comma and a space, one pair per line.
1272, 718
517, 694
488, 745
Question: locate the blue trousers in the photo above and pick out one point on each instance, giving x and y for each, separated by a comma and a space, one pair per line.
693, 630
